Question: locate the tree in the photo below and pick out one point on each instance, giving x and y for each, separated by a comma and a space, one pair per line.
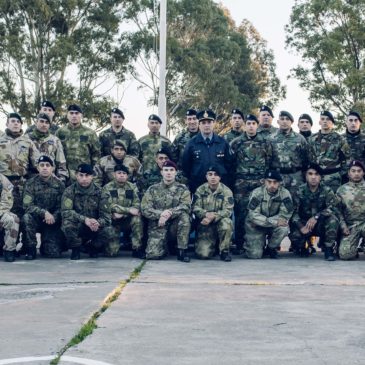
330, 37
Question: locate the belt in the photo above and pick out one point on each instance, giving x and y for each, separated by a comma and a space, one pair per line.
331, 171
290, 171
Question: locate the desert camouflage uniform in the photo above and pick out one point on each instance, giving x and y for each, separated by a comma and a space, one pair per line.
123, 197
352, 215
159, 197
231, 135
264, 210
221, 202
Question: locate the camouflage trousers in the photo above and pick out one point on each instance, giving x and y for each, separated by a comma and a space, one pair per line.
348, 245
333, 181
292, 181
158, 237
9, 222
77, 233
326, 229
131, 224
255, 239
207, 238
242, 191
52, 238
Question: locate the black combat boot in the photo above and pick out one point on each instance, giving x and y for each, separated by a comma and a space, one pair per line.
9, 256
138, 254
31, 253
225, 256
182, 256
75, 254
93, 252
273, 253
329, 255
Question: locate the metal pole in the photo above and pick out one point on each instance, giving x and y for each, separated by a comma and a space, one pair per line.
162, 89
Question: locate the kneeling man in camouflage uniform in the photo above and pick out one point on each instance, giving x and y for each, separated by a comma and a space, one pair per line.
269, 210
166, 205
126, 214
213, 207
86, 216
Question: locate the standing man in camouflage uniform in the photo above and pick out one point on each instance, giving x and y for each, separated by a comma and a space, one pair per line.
289, 153
152, 142
48, 108
126, 214
118, 132
213, 208
352, 211
330, 151
355, 137
252, 155
80, 143
265, 121
269, 209
314, 215
305, 124
42, 206
104, 169
237, 123
86, 215
166, 205
49, 145
9, 222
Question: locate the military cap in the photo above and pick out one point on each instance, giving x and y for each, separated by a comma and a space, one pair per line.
206, 114
216, 169
190, 112
237, 111
265, 108
74, 108
45, 158
315, 167
118, 111
306, 117
357, 163
16, 116
120, 143
273, 174
328, 114
155, 117
169, 163
355, 114
44, 116
85, 168
120, 167
284, 113
252, 117
48, 104
164, 151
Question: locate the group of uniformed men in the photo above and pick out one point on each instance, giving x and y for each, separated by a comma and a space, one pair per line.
82, 192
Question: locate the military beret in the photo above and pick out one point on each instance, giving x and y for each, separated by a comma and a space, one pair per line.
265, 108
74, 108
169, 163
206, 114
237, 111
45, 158
44, 116
48, 104
85, 168
120, 167
315, 167
306, 117
328, 114
120, 143
164, 151
284, 113
273, 174
216, 169
252, 117
118, 111
16, 116
190, 112
155, 117
355, 114
357, 163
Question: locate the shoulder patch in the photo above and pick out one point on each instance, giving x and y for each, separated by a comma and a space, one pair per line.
230, 200
254, 202
288, 203
68, 203
27, 199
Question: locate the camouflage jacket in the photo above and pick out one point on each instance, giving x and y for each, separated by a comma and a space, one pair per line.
18, 156
330, 151
219, 201
50, 145
265, 209
266, 132
289, 151
252, 156
231, 135
148, 178
43, 195
356, 143
307, 204
160, 197
104, 169
108, 136
179, 143
352, 203
6, 195
80, 145
122, 196
150, 144
79, 203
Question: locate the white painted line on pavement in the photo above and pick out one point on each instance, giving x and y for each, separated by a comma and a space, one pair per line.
76, 360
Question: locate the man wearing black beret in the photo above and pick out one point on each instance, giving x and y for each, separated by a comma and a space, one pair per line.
265, 118
237, 125
46, 107
355, 136
305, 124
